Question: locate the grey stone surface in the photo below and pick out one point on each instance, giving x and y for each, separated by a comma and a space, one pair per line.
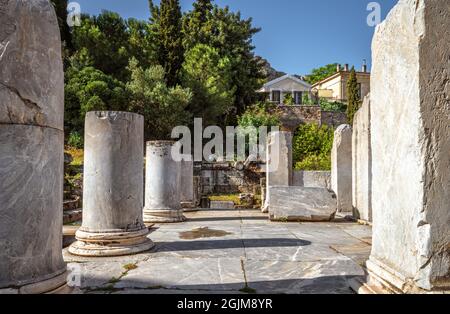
162, 184
269, 257
341, 168
31, 171
301, 204
410, 146
31, 147
222, 205
362, 163
312, 179
113, 186
31, 69
187, 183
279, 166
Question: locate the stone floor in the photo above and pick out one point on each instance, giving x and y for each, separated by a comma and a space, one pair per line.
232, 251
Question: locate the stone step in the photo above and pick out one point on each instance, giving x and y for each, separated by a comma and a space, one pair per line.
292, 203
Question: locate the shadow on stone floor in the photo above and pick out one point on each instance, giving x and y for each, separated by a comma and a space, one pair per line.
228, 244
317, 285
237, 218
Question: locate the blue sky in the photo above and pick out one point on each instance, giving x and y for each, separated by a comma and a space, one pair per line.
296, 35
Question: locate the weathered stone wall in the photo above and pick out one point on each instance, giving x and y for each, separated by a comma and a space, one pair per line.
293, 116
333, 119
410, 146
362, 163
312, 179
223, 178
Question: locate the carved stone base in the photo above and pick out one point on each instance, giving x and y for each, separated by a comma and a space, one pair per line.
163, 215
49, 286
382, 279
189, 207
111, 244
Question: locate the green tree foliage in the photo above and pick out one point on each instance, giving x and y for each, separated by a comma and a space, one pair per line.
208, 75
334, 106
66, 36
259, 115
312, 147
232, 36
354, 101
163, 107
288, 100
196, 26
111, 42
88, 89
167, 32
321, 73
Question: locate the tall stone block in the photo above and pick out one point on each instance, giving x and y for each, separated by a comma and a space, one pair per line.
341, 168
162, 184
113, 186
279, 168
411, 148
362, 163
31, 148
187, 185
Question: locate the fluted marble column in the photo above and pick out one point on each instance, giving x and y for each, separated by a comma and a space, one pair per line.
31, 148
162, 184
113, 186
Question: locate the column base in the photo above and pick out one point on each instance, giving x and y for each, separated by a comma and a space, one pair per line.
105, 244
188, 207
50, 286
163, 215
382, 279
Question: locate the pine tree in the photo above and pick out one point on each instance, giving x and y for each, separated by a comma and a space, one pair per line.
195, 24
352, 96
167, 26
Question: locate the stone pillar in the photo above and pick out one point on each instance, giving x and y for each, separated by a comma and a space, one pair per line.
362, 163
341, 168
410, 148
31, 148
162, 184
279, 166
113, 186
187, 186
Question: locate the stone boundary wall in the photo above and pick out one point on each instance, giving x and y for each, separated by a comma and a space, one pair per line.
293, 116
223, 178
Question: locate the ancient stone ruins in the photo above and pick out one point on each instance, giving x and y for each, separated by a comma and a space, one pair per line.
378, 223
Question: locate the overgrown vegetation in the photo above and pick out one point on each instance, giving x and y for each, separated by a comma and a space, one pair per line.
175, 66
354, 101
312, 147
321, 73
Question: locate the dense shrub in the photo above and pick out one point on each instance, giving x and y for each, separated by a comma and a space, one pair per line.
312, 147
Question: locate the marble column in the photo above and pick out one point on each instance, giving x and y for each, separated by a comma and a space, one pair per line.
162, 184
341, 168
113, 186
31, 149
187, 186
410, 149
279, 167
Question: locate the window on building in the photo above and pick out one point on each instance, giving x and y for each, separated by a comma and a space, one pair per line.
359, 91
276, 96
298, 96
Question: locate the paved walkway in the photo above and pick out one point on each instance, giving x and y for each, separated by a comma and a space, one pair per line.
232, 251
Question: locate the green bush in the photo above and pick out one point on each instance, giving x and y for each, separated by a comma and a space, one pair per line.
75, 140
334, 106
259, 115
312, 147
